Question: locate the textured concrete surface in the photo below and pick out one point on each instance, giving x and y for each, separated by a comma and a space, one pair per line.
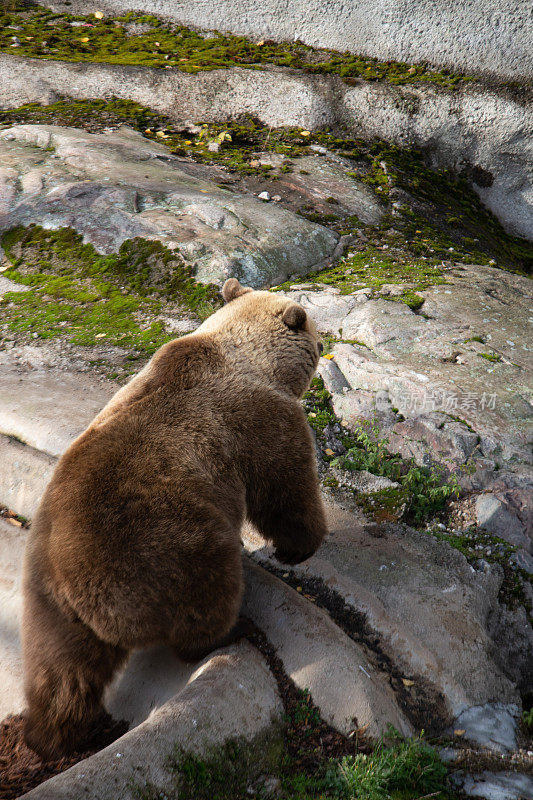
468, 127
115, 186
487, 36
231, 694
428, 607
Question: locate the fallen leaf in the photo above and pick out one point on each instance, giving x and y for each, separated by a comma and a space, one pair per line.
99, 14
29, 38
84, 39
459, 733
187, 141
99, 336
148, 130
161, 135
329, 452
261, 43
298, 588
312, 414
305, 133
329, 356
157, 44
14, 522
411, 70
407, 682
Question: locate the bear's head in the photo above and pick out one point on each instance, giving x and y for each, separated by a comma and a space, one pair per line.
268, 335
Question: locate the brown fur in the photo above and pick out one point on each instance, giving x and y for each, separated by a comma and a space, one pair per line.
136, 540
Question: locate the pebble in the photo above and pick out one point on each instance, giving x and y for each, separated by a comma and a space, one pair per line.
264, 196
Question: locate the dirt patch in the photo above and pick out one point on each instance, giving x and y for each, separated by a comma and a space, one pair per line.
21, 769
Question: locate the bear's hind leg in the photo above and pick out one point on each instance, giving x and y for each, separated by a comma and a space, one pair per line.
66, 668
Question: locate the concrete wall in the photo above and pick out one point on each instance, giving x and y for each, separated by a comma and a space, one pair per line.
490, 37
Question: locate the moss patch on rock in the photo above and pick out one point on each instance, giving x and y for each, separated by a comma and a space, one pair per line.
423, 492
143, 39
75, 292
440, 218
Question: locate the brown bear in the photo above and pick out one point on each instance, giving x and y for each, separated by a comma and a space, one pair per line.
137, 538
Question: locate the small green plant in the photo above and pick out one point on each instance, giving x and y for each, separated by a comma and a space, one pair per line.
423, 491
409, 766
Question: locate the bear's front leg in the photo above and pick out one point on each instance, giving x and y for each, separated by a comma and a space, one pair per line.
283, 496
66, 668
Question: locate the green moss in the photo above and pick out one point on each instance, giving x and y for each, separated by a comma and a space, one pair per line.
475, 543
458, 227
411, 299
370, 268
494, 357
385, 505
480, 339
88, 298
423, 492
41, 33
396, 770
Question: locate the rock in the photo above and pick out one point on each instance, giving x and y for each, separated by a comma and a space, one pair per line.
349, 691
493, 516
492, 726
446, 124
264, 196
327, 309
12, 541
360, 407
231, 694
420, 603
363, 482
334, 380
118, 185
48, 409
433, 437
321, 180
499, 786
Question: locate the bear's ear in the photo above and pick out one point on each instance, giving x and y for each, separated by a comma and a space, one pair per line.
232, 289
294, 316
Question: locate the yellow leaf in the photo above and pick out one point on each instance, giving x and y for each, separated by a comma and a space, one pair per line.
148, 130
84, 39
29, 38
312, 414
305, 133
407, 682
261, 43
298, 588
99, 14
459, 733
99, 336
14, 522
187, 141
161, 135
329, 452
329, 356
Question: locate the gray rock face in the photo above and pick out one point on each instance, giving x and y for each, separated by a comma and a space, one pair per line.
460, 409
499, 786
471, 126
491, 38
115, 186
493, 516
492, 726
